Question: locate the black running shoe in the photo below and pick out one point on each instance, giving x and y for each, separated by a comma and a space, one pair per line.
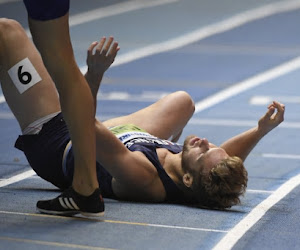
71, 203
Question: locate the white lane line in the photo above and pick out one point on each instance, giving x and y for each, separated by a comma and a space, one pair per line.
17, 178
115, 9
282, 156
6, 115
188, 228
221, 49
2, 99
114, 222
237, 123
259, 191
247, 84
265, 100
237, 232
145, 96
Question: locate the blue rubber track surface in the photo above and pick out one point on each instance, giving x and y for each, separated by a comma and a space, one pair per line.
204, 67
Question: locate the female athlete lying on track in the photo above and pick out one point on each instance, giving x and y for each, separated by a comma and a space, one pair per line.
135, 159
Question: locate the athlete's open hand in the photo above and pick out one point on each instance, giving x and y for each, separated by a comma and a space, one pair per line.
273, 117
101, 55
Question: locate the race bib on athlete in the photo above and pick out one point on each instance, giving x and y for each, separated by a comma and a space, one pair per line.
24, 75
130, 134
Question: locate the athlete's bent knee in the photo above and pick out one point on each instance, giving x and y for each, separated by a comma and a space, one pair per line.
44, 10
7, 28
186, 101
7, 25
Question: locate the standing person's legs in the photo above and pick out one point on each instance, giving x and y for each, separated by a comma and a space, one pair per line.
53, 41
49, 26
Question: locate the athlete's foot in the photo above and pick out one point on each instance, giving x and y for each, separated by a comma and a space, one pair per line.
71, 203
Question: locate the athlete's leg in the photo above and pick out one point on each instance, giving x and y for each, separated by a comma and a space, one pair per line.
36, 101
164, 119
53, 41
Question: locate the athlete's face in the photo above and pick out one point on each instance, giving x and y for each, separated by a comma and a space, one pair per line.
200, 155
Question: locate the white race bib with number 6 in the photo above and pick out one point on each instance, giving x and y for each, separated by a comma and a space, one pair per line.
24, 75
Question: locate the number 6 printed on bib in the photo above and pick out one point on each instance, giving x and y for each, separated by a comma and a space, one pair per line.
24, 75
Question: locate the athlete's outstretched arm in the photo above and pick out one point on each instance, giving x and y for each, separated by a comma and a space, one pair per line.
242, 144
100, 56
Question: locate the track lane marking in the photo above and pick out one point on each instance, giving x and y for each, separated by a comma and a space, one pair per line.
255, 191
266, 99
247, 84
114, 222
16, 178
237, 123
2, 99
282, 156
115, 9
241, 228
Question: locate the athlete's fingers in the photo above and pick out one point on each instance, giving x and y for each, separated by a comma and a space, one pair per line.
100, 45
280, 111
270, 105
113, 50
107, 46
270, 112
91, 48
280, 107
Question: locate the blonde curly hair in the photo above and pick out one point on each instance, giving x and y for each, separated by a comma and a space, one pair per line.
222, 186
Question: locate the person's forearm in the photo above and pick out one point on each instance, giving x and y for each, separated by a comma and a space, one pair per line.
94, 81
242, 144
100, 55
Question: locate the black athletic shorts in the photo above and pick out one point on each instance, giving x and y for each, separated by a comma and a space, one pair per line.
44, 152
